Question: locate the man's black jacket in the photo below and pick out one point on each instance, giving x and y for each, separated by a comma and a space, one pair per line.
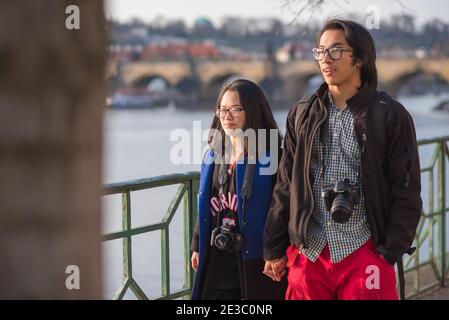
391, 186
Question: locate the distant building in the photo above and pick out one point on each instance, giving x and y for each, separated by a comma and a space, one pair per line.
140, 32
203, 23
180, 51
294, 50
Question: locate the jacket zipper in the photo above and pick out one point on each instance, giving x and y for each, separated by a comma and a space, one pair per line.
306, 176
370, 218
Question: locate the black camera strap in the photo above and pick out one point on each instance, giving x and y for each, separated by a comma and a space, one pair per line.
222, 180
247, 189
325, 142
324, 163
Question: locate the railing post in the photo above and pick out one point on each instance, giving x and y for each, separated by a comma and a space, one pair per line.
188, 198
193, 217
187, 232
126, 244
126, 225
442, 208
190, 213
165, 261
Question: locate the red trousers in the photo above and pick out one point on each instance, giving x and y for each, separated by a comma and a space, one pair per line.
363, 275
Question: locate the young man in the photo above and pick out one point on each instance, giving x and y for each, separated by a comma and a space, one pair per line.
344, 210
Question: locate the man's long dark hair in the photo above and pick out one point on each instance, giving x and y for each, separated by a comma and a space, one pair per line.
362, 44
257, 111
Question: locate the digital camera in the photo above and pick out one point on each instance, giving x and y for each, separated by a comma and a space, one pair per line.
339, 199
226, 238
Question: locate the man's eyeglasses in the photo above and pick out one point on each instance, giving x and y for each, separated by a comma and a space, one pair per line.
234, 111
333, 53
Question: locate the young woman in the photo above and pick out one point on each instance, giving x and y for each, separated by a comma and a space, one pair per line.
234, 197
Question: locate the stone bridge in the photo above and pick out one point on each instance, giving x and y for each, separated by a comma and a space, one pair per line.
204, 79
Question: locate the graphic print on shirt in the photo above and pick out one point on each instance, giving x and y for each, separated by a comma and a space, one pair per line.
227, 203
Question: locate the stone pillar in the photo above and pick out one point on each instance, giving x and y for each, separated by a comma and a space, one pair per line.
51, 105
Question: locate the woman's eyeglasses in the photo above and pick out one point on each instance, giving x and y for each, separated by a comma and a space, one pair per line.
234, 111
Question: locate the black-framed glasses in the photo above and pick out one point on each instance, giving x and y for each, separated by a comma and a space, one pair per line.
234, 111
334, 53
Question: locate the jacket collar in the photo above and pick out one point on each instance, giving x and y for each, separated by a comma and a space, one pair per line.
357, 103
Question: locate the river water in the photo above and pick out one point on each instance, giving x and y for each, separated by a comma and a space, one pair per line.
138, 145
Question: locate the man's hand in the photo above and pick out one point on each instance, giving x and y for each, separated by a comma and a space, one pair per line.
275, 269
195, 258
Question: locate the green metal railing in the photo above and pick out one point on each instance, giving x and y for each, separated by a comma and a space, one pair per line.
187, 192
435, 267
433, 271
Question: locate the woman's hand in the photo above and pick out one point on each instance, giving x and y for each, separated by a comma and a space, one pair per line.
195, 258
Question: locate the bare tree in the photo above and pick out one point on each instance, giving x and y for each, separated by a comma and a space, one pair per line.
298, 7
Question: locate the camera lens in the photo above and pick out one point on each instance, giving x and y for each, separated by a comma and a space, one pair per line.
222, 241
341, 210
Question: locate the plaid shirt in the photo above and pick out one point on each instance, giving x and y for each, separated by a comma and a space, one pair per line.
341, 158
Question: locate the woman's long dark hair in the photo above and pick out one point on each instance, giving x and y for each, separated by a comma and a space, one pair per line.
362, 44
257, 111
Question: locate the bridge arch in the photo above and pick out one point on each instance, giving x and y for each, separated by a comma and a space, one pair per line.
272, 86
146, 80
211, 89
189, 86
422, 79
297, 85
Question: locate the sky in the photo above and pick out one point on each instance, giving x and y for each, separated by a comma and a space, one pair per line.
189, 10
